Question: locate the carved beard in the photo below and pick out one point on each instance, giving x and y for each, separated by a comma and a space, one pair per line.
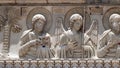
116, 28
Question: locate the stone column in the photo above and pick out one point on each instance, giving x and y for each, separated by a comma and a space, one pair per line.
6, 42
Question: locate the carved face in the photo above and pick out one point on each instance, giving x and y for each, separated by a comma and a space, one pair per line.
77, 24
116, 27
115, 22
38, 26
38, 22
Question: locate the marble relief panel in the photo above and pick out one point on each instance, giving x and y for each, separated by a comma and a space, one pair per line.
59, 32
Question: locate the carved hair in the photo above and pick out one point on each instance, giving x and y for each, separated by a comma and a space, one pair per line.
75, 17
36, 18
114, 18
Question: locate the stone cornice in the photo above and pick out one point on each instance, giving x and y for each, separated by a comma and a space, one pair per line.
65, 62
50, 3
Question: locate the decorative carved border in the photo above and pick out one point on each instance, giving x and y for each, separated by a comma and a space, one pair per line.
97, 63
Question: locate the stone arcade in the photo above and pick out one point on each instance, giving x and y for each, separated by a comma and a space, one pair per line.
59, 34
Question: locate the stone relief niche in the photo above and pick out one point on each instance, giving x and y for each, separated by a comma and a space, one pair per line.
109, 41
60, 34
82, 42
70, 31
73, 14
36, 42
68, 26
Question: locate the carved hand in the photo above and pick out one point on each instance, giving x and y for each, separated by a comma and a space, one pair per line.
38, 42
24, 49
72, 44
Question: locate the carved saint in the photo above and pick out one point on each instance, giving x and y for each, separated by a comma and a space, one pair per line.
71, 41
109, 43
35, 43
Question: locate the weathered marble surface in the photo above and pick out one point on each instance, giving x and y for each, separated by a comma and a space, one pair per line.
100, 26
35, 43
90, 37
109, 41
71, 40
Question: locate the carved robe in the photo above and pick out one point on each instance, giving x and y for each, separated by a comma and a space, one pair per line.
109, 45
67, 38
30, 49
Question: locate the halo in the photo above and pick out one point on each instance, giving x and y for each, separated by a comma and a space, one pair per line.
80, 11
108, 13
37, 11
75, 16
37, 16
